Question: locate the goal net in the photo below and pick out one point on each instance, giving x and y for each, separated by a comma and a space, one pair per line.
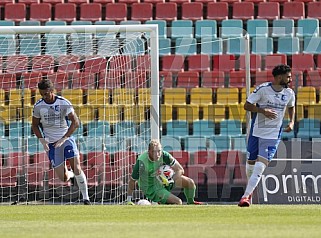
110, 75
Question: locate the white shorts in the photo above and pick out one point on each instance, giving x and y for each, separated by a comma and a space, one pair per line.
265, 148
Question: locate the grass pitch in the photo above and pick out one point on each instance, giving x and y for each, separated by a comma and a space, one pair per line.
160, 221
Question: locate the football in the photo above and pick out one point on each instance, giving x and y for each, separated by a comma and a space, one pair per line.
167, 172
144, 202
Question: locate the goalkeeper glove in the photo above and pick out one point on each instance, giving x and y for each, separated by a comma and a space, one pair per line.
129, 201
61, 141
44, 143
164, 180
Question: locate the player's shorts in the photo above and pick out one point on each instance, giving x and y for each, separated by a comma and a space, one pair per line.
59, 155
265, 148
160, 195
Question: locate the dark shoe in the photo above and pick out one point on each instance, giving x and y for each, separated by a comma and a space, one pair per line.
87, 202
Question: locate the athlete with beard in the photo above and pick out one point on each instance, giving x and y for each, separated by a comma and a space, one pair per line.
268, 102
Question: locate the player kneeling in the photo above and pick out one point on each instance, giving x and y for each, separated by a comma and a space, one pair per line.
155, 184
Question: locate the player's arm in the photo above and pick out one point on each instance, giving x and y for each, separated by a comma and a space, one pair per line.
36, 130
269, 113
138, 167
178, 169
290, 126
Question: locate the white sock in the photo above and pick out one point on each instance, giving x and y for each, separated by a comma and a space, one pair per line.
82, 184
258, 170
70, 174
249, 170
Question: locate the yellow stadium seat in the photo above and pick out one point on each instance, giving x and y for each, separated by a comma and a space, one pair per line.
85, 113
314, 111
243, 94
123, 96
75, 96
306, 95
135, 113
187, 112
144, 96
201, 96
214, 112
299, 112
166, 113
227, 96
237, 112
175, 96
8, 113
97, 97
2, 97
15, 96
110, 113
26, 113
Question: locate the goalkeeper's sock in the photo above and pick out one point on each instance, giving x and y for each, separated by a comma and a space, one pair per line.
82, 184
189, 194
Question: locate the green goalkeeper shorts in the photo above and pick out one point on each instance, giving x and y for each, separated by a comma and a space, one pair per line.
160, 195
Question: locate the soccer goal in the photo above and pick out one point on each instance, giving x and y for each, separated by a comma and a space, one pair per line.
110, 75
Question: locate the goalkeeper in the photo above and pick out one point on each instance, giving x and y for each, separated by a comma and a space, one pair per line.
145, 173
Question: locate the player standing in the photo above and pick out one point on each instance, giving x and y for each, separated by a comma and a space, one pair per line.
53, 113
145, 172
268, 102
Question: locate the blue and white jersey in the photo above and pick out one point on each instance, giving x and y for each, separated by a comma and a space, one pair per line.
53, 117
264, 96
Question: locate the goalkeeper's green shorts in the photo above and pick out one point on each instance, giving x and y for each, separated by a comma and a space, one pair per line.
160, 195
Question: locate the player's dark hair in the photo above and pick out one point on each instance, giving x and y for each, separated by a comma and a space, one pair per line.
45, 84
281, 69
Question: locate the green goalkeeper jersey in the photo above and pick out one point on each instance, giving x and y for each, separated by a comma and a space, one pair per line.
145, 171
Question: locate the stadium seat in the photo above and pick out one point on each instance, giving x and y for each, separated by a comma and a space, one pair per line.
125, 129
199, 63
125, 158
187, 80
217, 11
283, 28
312, 45
97, 159
293, 10
85, 114
17, 64
94, 64
258, 27
309, 128
203, 128
90, 12
110, 79
235, 46
188, 112
274, 59
177, 128
166, 11
35, 177
205, 28
109, 113
303, 62
219, 143
154, 2
195, 143
15, 127
214, 112
170, 143
59, 79
43, 63
224, 62
313, 10
75, 96
218, 175
308, 28
162, 29
211, 46
8, 81
135, 113
166, 111
185, 46
40, 12
8, 177
306, 95
227, 96
175, 96
82, 80
237, 79
136, 79
183, 157
205, 158
262, 45
8, 45
231, 128
65, 12
15, 12
263, 77
314, 111
192, 11
313, 78
31, 79
142, 11
78, 1
243, 10
268, 10
213, 79
182, 29
124, 60
81, 44
239, 144
68, 63
172, 63
53, 2
232, 28
56, 45
237, 112
165, 79
107, 45
288, 45
255, 62
123, 96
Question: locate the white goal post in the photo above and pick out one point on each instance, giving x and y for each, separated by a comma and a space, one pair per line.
110, 74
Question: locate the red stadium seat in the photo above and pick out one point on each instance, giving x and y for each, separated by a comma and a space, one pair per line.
268, 10
314, 78
92, 175
135, 79
17, 64
97, 159
103, 1
31, 79
166, 79
83, 80
154, 2
192, 11
279, 1
239, 175
78, 1
113, 175
8, 81
65, 12
4, 2
53, 2
110, 79
213, 79
128, 2
8, 177
218, 175
143, 63
15, 12
232, 157
43, 63
90, 12
183, 157
314, 9
188, 79
217, 11
243, 10
28, 2
237, 79
166, 11
303, 62
293, 10
125, 158
199, 62
263, 77
40, 12
179, 2
35, 176
142, 12
275, 59
255, 62
59, 79
68, 63
95, 65
224, 63
54, 181
205, 158
173, 63
124, 60
116, 12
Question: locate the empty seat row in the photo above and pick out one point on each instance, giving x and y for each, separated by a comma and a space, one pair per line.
168, 11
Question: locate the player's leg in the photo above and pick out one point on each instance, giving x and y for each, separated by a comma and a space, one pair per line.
163, 196
189, 188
